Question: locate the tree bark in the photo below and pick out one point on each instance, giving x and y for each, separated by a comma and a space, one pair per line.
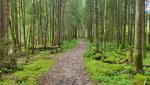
139, 20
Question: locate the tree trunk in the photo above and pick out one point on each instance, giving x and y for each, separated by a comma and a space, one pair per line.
139, 20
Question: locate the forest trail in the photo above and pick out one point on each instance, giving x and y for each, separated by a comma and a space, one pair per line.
69, 69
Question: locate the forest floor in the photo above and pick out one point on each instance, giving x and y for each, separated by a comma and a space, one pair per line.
69, 69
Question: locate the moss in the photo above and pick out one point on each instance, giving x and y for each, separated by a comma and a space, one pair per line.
139, 79
68, 44
99, 56
108, 71
37, 66
110, 60
108, 74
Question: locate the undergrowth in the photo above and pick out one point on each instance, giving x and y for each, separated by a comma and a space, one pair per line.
108, 74
112, 67
68, 44
36, 67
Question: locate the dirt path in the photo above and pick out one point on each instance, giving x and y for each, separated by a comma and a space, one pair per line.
69, 69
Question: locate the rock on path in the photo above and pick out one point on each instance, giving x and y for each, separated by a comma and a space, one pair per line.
69, 69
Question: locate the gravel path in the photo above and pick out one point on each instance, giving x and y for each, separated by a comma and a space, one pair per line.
69, 69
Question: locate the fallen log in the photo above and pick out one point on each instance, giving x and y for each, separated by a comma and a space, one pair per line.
146, 65
147, 71
44, 48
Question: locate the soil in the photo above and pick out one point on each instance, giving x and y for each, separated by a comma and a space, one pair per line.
69, 69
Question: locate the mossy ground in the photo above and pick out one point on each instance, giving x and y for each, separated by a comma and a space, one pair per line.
36, 66
68, 44
30, 72
115, 72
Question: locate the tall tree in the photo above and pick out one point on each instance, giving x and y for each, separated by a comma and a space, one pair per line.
96, 24
139, 20
3, 29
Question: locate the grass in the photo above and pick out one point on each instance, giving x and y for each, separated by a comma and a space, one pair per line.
68, 44
112, 73
37, 66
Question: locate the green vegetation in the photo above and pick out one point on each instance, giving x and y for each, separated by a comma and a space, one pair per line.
119, 29
108, 74
111, 69
68, 44
139, 79
37, 66
28, 72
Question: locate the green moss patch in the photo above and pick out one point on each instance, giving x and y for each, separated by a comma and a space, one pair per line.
111, 69
108, 74
68, 44
37, 66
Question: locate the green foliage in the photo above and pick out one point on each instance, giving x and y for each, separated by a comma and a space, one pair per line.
139, 79
110, 60
68, 44
30, 72
99, 56
91, 53
108, 74
8, 69
147, 59
148, 47
110, 56
108, 71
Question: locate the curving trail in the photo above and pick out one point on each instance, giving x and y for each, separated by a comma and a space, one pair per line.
69, 69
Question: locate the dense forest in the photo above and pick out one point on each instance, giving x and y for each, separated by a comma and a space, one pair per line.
74, 42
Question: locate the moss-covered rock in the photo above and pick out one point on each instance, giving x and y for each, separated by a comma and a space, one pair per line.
99, 56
